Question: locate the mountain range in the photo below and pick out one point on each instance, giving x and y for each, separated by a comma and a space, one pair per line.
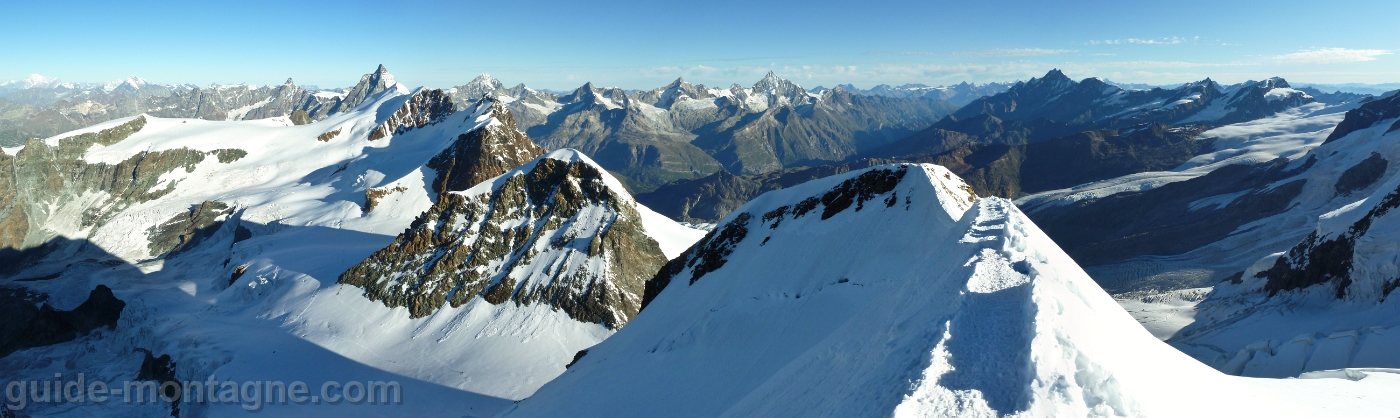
1169, 251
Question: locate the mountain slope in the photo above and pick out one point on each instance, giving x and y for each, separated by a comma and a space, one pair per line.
888, 291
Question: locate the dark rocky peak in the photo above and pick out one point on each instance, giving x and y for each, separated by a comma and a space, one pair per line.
780, 91
483, 153
1053, 80
1097, 87
1206, 84
550, 232
289, 82
369, 85
587, 93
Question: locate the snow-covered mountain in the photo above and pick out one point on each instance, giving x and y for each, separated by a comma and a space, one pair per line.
226, 246
894, 291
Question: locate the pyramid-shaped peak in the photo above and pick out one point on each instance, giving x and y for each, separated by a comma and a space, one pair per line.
485, 78
772, 82
289, 82
381, 70
1055, 75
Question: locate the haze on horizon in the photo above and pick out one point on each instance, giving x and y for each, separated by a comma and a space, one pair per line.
640, 45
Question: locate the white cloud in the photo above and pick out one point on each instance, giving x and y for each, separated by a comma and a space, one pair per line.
1331, 56
1173, 40
996, 52
1015, 52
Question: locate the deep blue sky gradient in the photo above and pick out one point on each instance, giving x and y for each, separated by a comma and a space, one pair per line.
644, 44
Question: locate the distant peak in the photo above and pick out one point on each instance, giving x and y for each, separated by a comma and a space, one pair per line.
289, 82
381, 70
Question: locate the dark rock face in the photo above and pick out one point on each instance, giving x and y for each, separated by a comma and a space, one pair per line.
710, 253
483, 153
577, 356
1161, 221
162, 371
422, 109
1321, 260
186, 230
1362, 174
27, 326
555, 235
1367, 116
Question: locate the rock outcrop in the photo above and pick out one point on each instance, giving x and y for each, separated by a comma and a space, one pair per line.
27, 326
551, 232
423, 108
483, 153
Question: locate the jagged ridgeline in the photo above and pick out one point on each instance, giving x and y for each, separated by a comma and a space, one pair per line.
552, 231
48, 174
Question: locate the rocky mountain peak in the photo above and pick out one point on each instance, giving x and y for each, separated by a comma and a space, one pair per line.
483, 85
485, 152
369, 85
771, 82
557, 231
1053, 80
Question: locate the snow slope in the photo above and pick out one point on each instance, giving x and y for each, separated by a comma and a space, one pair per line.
888, 291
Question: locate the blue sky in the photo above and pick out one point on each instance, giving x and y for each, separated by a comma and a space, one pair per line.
645, 44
